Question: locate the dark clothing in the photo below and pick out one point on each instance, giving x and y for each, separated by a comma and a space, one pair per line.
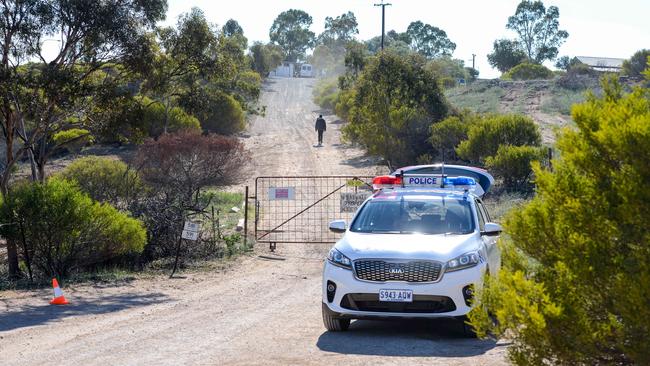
320, 127
320, 124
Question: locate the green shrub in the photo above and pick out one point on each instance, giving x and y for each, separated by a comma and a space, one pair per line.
326, 92
575, 290
445, 67
218, 112
447, 82
636, 64
345, 103
232, 243
73, 139
105, 180
528, 71
153, 119
395, 101
447, 134
485, 136
61, 230
512, 164
581, 69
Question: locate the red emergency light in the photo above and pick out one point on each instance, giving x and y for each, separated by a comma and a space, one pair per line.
386, 181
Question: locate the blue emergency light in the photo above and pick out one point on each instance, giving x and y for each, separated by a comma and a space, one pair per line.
460, 181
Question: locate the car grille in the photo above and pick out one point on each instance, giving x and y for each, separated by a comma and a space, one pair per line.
381, 271
421, 304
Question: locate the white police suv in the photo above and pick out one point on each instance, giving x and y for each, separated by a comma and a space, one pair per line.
417, 248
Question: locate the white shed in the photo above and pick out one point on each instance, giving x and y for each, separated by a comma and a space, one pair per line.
284, 70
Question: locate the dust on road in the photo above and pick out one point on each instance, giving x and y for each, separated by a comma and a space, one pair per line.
256, 311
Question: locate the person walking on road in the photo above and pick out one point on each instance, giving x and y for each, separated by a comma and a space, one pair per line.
320, 127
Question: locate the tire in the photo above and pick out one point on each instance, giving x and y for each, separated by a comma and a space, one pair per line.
334, 323
468, 330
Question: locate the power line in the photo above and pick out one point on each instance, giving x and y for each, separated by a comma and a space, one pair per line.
383, 20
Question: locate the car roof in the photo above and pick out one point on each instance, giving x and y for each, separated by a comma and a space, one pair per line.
484, 179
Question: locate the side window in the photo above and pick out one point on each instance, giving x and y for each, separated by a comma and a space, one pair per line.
481, 218
486, 215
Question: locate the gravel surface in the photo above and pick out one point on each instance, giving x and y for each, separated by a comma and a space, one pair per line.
261, 309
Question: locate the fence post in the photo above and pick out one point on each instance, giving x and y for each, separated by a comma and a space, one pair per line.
246, 217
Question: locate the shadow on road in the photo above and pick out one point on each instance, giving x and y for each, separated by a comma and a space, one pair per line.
408, 338
361, 161
27, 316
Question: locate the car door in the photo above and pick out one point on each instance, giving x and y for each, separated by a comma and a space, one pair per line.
490, 241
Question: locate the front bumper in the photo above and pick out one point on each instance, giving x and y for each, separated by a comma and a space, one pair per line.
449, 286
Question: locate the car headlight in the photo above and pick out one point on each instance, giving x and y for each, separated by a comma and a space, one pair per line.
338, 259
466, 260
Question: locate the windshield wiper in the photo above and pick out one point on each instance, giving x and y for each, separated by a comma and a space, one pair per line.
456, 233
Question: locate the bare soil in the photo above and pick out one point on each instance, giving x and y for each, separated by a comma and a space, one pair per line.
260, 309
527, 98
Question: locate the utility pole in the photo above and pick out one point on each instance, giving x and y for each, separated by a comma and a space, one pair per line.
383, 20
473, 59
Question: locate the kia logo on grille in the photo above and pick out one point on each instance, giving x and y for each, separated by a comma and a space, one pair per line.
395, 270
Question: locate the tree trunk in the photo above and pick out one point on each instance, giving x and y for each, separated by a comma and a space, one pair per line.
32, 164
12, 258
166, 117
9, 130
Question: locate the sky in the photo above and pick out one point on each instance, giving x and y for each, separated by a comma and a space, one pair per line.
601, 28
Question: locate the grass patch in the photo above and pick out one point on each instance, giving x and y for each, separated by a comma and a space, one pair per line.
477, 98
499, 204
561, 100
114, 275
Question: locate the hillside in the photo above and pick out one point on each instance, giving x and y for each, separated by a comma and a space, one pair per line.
548, 102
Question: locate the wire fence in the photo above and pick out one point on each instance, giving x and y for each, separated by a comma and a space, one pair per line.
299, 209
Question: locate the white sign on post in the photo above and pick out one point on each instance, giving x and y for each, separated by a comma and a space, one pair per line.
191, 230
191, 226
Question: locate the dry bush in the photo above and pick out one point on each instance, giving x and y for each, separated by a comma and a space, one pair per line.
178, 168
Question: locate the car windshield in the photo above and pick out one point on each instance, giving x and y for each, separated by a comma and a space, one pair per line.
415, 214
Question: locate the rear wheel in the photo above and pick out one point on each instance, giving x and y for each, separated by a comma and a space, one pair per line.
334, 323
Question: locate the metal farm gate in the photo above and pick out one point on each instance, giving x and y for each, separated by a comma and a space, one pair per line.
299, 209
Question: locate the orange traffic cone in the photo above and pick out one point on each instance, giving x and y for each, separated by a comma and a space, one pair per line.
58, 299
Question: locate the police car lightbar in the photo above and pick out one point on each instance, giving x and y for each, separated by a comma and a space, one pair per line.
428, 181
386, 181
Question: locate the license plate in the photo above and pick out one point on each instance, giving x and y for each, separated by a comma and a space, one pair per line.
396, 295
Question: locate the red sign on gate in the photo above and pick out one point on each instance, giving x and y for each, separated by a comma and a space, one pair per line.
281, 193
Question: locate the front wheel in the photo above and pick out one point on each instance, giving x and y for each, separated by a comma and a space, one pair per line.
468, 329
334, 323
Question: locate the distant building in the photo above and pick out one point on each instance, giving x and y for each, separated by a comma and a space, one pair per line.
284, 70
602, 63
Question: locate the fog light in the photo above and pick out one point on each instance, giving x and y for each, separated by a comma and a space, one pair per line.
331, 291
468, 294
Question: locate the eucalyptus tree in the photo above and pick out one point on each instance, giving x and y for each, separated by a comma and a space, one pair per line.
291, 31
538, 29
44, 93
429, 41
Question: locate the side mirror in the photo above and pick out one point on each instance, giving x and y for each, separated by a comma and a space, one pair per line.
492, 229
338, 226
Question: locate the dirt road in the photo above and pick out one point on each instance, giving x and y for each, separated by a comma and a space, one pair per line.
256, 311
